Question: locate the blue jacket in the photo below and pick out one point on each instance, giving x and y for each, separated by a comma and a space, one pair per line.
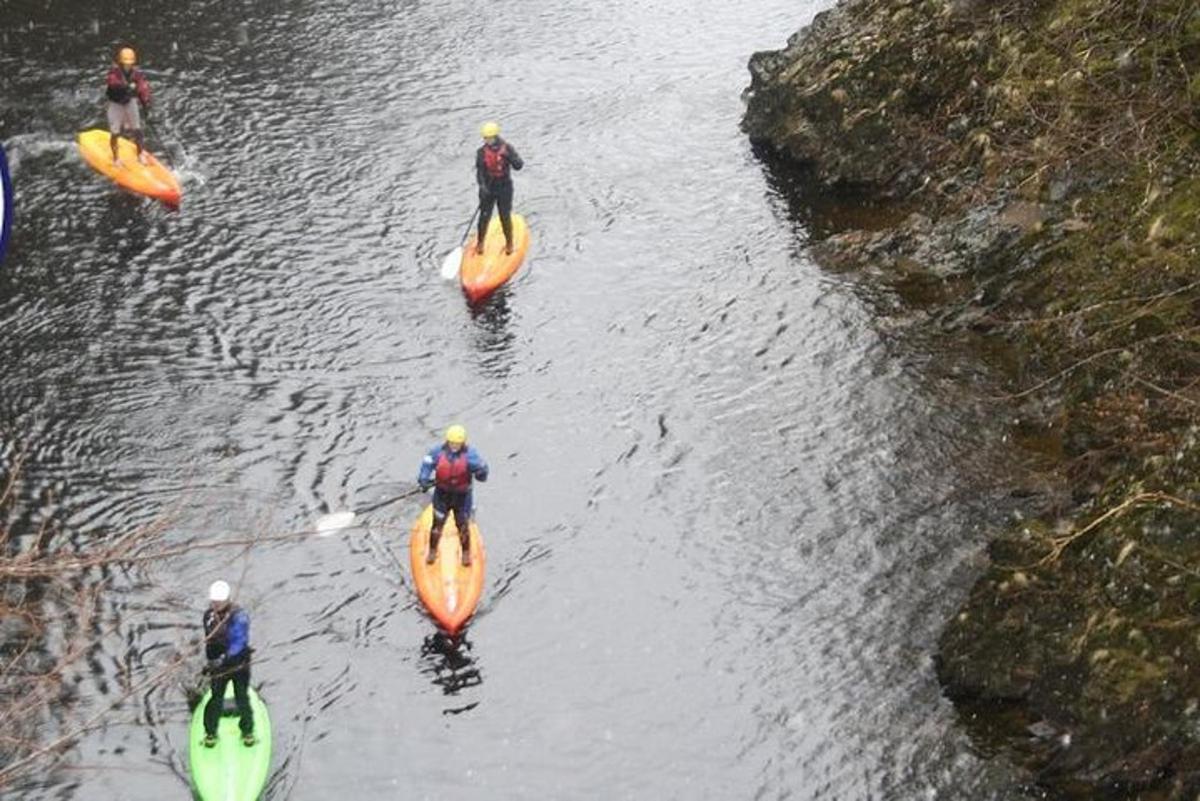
475, 464
228, 638
239, 635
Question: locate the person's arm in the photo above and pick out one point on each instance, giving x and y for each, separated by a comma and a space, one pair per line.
143, 89
239, 635
428, 464
476, 465
480, 170
514, 159
211, 646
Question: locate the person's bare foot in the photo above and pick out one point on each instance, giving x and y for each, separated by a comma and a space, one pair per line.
142, 158
479, 250
508, 250
120, 165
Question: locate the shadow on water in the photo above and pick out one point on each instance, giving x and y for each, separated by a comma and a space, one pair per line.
493, 336
453, 669
818, 211
125, 215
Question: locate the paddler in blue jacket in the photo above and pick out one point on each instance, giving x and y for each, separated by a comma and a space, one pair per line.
494, 162
449, 468
227, 647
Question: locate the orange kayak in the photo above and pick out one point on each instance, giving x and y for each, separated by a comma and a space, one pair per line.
151, 179
484, 273
449, 591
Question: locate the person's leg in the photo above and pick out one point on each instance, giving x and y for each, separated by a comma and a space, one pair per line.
439, 519
133, 121
504, 200
212, 710
241, 694
487, 202
462, 520
139, 140
116, 118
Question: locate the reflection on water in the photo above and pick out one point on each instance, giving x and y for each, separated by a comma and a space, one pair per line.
493, 335
816, 211
449, 661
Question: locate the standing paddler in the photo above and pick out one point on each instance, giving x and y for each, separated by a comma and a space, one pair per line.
124, 84
227, 647
450, 468
494, 162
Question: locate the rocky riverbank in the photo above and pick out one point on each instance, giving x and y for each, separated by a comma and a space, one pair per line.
1042, 161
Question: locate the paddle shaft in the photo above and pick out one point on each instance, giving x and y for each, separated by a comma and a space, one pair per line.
146, 125
463, 239
381, 504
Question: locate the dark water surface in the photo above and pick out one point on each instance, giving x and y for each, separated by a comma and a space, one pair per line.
725, 520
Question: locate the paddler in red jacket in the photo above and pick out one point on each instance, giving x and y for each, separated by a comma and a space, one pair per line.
449, 468
125, 84
494, 162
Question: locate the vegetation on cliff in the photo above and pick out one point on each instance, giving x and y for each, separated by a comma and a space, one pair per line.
1049, 154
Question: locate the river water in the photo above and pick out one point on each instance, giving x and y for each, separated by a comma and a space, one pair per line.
727, 514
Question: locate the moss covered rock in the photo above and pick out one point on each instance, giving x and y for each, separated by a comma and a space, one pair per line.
1046, 156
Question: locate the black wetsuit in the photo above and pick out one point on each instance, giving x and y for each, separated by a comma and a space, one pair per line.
227, 648
494, 176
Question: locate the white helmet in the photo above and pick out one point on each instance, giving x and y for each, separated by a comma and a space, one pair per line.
218, 592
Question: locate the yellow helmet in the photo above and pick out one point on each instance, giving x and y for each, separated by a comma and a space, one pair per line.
489, 130
126, 57
456, 435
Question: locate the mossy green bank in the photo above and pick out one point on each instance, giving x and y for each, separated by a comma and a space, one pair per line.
1046, 156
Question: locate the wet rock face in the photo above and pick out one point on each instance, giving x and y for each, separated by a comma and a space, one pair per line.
854, 94
1039, 210
1090, 655
978, 242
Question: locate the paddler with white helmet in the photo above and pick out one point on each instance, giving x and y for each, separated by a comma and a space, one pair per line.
227, 648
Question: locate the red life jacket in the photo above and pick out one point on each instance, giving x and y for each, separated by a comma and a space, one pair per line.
495, 161
453, 475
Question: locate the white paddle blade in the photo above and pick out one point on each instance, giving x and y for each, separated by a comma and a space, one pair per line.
451, 264
330, 523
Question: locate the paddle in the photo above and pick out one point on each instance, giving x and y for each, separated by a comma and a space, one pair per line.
146, 124
453, 259
148, 132
336, 521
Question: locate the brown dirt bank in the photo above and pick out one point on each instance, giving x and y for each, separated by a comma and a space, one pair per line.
1045, 155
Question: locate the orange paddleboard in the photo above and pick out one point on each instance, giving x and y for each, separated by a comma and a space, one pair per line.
151, 179
483, 273
449, 591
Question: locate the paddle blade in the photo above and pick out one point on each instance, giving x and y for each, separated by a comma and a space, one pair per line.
451, 264
330, 523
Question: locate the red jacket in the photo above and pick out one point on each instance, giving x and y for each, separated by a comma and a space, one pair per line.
121, 87
492, 164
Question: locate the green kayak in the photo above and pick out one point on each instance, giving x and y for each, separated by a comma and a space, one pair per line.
230, 771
